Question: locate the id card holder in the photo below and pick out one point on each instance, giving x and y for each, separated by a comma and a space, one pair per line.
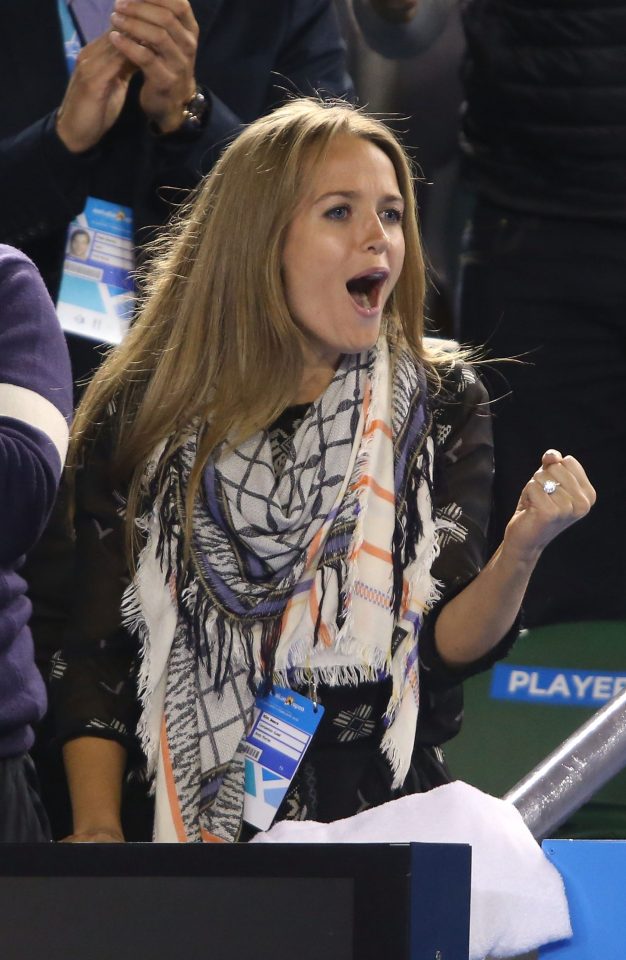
283, 727
97, 295
97, 291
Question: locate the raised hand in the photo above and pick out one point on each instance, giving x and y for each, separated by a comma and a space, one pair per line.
477, 618
558, 495
95, 95
160, 37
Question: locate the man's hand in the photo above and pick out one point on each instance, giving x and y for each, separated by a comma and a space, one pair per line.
95, 95
160, 37
396, 11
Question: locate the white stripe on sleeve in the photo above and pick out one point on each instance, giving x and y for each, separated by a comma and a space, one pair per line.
30, 407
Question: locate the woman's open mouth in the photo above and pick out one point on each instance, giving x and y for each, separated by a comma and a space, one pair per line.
365, 289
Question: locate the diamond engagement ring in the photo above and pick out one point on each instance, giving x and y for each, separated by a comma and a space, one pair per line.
550, 486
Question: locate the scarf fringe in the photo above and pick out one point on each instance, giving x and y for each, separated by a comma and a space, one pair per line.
350, 675
134, 621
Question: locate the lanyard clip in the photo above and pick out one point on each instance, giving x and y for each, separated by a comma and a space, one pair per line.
313, 691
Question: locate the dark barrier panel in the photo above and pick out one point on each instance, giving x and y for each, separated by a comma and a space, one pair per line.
231, 902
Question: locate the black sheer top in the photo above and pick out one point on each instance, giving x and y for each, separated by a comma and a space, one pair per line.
93, 677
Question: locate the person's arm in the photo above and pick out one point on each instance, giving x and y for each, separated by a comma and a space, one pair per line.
35, 404
46, 166
95, 713
398, 29
93, 694
42, 184
474, 621
95, 770
462, 491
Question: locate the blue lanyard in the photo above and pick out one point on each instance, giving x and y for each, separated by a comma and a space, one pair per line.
72, 40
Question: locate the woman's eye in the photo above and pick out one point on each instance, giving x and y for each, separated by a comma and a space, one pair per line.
338, 213
392, 215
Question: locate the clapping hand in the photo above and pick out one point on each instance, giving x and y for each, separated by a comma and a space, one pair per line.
160, 38
95, 95
558, 495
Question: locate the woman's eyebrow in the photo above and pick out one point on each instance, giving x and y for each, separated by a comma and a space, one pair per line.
351, 194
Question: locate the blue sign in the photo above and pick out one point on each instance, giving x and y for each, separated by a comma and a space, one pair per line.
555, 686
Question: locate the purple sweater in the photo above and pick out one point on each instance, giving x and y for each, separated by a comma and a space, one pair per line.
35, 408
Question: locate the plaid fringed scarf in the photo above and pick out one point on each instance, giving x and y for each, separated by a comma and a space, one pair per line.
324, 572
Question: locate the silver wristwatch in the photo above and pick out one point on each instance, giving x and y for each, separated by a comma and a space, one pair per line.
195, 112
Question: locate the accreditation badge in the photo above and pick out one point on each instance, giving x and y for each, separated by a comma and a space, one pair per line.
283, 727
96, 297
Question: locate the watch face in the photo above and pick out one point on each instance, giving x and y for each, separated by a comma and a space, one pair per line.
195, 111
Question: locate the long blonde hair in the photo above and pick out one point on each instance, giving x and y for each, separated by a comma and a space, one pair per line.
214, 343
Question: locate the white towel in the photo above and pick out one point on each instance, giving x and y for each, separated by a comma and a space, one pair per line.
518, 898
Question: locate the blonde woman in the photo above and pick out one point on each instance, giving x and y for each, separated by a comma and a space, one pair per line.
305, 484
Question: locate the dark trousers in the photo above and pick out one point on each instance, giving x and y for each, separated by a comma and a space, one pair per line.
22, 816
553, 293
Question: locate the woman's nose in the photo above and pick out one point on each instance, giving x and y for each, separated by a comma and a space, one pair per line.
375, 237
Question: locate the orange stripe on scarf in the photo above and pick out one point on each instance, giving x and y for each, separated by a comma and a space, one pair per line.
376, 551
171, 787
378, 425
210, 837
376, 487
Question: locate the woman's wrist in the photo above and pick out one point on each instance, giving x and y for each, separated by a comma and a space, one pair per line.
519, 558
96, 835
95, 769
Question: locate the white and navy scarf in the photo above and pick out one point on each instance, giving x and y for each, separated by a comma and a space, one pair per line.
323, 572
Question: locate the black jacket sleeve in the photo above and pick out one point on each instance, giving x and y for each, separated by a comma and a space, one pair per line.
93, 677
463, 477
